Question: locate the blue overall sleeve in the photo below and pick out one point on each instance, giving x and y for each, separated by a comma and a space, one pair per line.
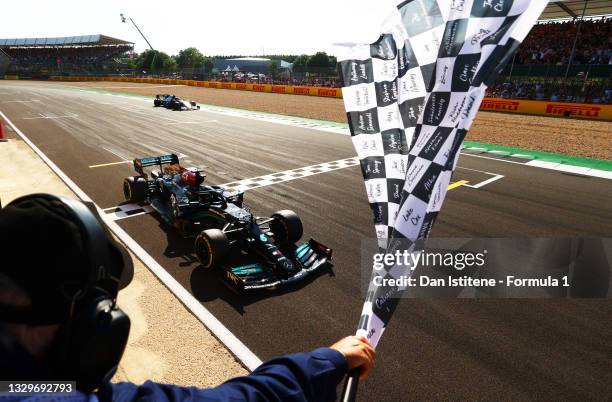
300, 377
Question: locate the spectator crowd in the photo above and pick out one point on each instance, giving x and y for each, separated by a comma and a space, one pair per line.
72, 59
548, 43
552, 42
247, 78
599, 92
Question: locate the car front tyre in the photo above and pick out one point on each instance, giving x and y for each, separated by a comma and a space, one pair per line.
212, 248
287, 227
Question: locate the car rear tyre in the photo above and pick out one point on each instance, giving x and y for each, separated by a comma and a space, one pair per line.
287, 227
135, 189
212, 248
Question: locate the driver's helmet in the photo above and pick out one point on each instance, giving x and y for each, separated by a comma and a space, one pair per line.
192, 178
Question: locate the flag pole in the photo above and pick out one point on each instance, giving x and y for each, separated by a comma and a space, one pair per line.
349, 392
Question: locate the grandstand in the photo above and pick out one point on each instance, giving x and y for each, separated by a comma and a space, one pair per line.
5, 60
567, 56
42, 57
572, 9
255, 65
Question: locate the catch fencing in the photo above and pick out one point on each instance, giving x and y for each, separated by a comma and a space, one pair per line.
531, 107
281, 89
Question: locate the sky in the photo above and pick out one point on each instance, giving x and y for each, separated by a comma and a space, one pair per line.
230, 27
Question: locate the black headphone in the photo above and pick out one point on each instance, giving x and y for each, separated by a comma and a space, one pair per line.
91, 342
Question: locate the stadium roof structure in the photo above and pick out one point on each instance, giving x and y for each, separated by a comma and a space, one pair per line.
557, 9
85, 40
250, 64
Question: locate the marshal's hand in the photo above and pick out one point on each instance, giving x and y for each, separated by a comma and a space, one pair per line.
358, 353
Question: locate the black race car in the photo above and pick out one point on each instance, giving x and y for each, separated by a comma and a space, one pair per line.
225, 229
173, 102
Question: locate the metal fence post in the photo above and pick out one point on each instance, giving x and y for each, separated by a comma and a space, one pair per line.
571, 58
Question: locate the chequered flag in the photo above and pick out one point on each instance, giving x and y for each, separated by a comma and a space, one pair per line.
410, 99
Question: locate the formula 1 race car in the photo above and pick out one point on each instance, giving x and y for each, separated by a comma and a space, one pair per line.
225, 229
173, 102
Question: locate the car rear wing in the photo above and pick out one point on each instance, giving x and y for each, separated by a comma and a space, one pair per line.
140, 164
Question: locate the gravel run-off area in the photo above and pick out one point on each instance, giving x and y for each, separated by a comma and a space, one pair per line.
576, 137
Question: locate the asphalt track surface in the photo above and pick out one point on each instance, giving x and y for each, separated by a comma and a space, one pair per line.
433, 349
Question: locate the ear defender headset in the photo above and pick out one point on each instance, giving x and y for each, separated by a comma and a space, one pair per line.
90, 343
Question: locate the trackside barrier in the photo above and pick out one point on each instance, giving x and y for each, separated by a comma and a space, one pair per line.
2, 139
538, 108
548, 108
282, 89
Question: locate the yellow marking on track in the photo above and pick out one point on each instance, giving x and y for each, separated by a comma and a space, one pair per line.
109, 164
457, 184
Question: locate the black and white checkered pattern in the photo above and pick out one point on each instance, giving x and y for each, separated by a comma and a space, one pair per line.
288, 175
127, 211
411, 98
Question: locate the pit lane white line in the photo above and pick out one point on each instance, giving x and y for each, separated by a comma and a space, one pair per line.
224, 335
127, 211
21, 101
43, 116
190, 122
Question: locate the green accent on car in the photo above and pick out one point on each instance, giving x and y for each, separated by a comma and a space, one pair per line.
247, 269
302, 252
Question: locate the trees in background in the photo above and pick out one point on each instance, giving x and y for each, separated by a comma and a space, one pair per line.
190, 58
155, 61
193, 58
300, 62
274, 70
318, 60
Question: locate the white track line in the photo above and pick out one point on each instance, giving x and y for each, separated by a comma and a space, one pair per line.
141, 86
42, 116
22, 101
559, 167
224, 335
331, 128
484, 182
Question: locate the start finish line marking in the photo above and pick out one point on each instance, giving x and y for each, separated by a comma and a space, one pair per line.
288, 175
130, 210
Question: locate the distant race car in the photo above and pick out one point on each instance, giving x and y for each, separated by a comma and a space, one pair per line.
225, 229
174, 102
